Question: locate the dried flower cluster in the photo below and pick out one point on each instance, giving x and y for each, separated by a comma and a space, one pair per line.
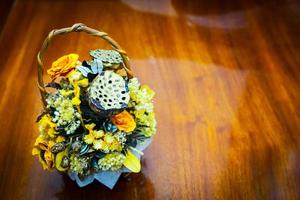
95, 118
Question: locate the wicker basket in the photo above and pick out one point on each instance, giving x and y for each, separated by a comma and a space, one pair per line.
108, 134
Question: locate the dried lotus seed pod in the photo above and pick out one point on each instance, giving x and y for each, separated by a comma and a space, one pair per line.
108, 92
109, 58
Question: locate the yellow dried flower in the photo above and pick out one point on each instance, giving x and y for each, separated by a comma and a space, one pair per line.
100, 140
109, 138
42, 150
99, 134
89, 138
46, 126
99, 144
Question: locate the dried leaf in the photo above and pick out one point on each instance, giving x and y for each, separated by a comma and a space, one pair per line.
97, 66
83, 70
58, 160
132, 162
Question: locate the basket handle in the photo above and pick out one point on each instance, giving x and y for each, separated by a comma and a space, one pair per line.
78, 27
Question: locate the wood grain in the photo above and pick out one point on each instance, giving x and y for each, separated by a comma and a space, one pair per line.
5, 6
226, 76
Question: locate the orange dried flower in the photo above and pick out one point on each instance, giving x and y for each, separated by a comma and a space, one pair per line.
124, 121
63, 65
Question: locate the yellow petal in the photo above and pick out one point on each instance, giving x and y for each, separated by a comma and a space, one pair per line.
35, 151
98, 144
49, 159
44, 164
132, 162
84, 82
109, 138
90, 126
51, 133
51, 144
66, 92
76, 101
39, 140
89, 138
60, 139
98, 134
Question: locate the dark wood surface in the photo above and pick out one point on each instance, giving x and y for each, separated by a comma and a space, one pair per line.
227, 82
5, 6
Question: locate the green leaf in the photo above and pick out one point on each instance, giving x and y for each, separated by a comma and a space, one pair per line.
132, 162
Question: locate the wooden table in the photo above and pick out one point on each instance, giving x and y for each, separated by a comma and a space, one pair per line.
227, 82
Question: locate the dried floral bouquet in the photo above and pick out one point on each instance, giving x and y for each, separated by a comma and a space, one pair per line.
98, 119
